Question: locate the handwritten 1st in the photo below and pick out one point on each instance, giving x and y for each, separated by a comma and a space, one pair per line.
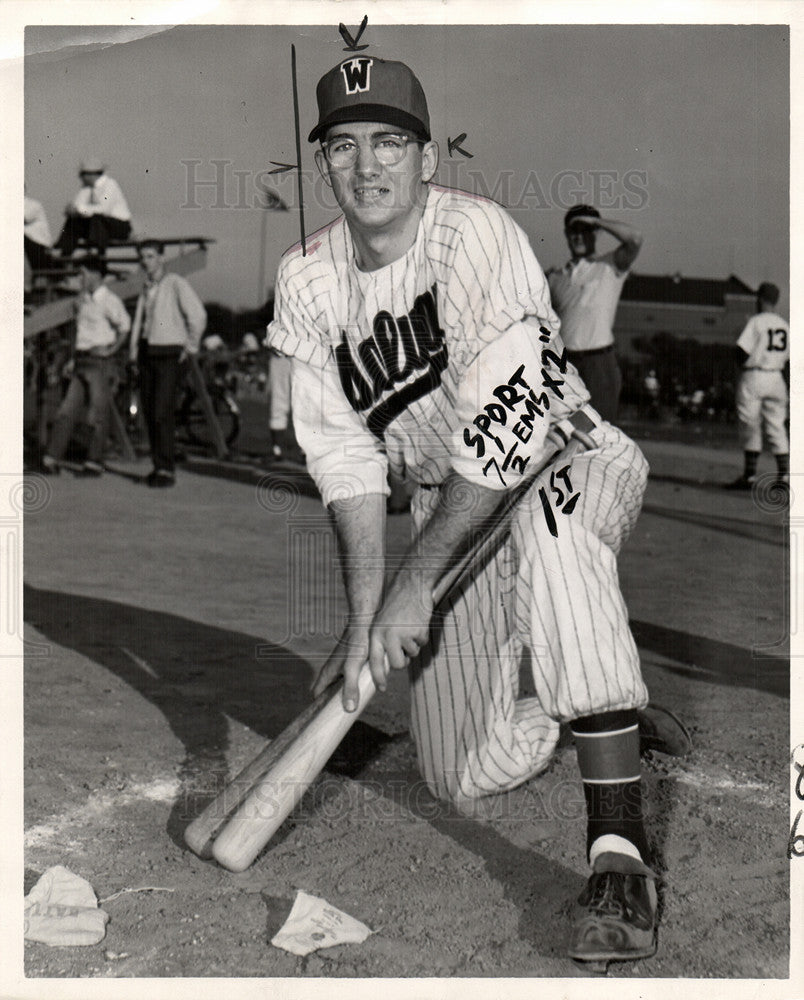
795, 845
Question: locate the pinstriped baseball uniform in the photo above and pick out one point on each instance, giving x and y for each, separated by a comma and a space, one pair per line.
449, 359
761, 392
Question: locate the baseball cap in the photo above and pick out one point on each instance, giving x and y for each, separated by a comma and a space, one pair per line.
577, 210
768, 292
364, 89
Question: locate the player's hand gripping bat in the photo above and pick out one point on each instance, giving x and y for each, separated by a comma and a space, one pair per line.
236, 825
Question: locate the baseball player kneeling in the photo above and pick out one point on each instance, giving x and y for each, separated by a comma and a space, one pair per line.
423, 341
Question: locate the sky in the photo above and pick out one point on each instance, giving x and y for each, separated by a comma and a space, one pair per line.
679, 130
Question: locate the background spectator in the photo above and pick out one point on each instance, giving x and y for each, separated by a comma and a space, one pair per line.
102, 325
98, 213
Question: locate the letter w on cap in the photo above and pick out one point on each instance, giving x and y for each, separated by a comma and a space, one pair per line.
356, 74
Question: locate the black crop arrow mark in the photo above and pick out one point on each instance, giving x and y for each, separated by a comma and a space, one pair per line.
281, 167
455, 144
351, 43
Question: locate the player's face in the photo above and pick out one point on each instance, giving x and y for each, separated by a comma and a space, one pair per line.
581, 240
374, 195
90, 280
151, 261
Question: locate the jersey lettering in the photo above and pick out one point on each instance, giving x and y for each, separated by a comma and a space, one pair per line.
777, 340
398, 348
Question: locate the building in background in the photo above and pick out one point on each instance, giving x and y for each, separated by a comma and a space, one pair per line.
711, 310
684, 330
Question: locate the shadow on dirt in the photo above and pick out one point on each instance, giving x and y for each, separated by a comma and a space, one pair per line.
196, 675
772, 533
713, 661
542, 890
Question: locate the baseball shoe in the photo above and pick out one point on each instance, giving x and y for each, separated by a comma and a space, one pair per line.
616, 912
741, 483
662, 731
91, 469
49, 466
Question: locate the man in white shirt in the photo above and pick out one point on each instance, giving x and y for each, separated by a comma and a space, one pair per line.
585, 293
168, 323
102, 325
36, 228
763, 351
38, 240
98, 213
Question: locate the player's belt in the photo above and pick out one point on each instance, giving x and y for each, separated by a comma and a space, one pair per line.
583, 420
590, 353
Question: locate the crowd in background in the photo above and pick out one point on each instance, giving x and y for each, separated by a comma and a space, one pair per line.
165, 335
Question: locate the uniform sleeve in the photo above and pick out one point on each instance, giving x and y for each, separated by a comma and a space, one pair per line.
494, 280
504, 403
343, 457
747, 340
500, 300
296, 328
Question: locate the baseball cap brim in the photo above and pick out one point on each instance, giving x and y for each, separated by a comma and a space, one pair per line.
371, 113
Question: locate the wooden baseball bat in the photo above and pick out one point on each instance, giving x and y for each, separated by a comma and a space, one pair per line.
201, 833
284, 783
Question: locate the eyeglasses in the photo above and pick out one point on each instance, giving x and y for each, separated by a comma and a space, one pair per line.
388, 148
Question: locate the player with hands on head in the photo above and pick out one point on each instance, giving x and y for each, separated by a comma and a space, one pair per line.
423, 342
585, 293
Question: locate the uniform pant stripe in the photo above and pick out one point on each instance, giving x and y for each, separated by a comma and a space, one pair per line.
561, 598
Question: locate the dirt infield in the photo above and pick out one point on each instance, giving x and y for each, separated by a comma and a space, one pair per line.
171, 632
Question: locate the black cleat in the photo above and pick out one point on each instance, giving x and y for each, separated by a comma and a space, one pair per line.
616, 918
663, 732
741, 483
